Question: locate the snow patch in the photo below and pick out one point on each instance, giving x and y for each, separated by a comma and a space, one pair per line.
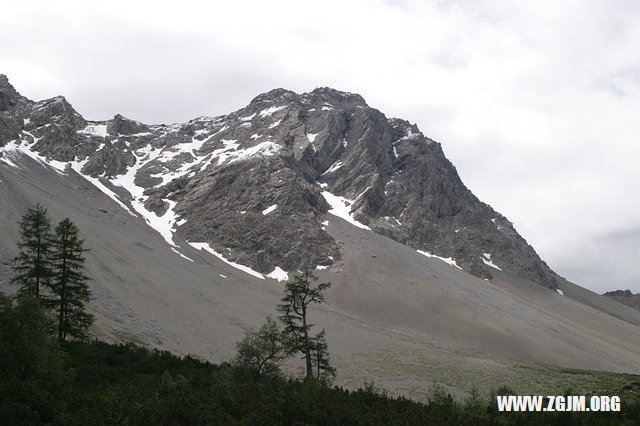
341, 207
173, 249
275, 124
246, 269
449, 260
269, 209
312, 136
559, 292
95, 130
490, 263
321, 267
267, 112
335, 166
278, 274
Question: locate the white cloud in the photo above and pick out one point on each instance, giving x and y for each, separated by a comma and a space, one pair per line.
536, 103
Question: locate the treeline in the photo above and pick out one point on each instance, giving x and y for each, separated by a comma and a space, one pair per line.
97, 383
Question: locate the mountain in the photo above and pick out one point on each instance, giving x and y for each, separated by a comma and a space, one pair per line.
626, 297
192, 228
253, 186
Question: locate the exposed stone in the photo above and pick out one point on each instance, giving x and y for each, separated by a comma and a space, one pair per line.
284, 150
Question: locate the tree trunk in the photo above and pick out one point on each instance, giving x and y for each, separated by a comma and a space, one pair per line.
307, 349
63, 300
38, 269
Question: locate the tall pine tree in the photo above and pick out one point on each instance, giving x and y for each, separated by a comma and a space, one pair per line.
69, 283
299, 294
32, 266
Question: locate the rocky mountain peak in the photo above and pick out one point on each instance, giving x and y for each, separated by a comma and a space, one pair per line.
329, 97
9, 96
255, 186
626, 297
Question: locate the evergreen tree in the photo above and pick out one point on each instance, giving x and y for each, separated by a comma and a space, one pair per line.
321, 357
299, 293
69, 283
262, 350
32, 266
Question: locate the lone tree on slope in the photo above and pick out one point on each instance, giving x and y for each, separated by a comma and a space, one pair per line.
299, 293
32, 266
69, 283
262, 351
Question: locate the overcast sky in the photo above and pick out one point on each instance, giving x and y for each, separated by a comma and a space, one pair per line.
536, 103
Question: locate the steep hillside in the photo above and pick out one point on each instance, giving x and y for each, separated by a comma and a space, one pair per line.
626, 297
253, 186
392, 314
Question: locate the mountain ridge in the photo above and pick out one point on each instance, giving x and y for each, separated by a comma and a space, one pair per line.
295, 157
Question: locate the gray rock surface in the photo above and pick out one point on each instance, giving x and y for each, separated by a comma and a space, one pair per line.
214, 179
626, 297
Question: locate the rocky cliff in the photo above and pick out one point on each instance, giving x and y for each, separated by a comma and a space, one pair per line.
253, 187
626, 297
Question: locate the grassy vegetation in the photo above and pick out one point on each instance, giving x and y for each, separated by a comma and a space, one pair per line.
460, 373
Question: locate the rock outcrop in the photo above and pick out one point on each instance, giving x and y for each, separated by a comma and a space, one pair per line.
256, 184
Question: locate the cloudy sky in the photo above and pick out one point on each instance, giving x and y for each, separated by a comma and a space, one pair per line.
536, 103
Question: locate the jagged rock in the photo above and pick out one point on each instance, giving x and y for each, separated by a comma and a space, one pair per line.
251, 183
626, 297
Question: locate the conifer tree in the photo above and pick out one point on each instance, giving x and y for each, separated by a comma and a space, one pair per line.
69, 283
262, 350
32, 266
299, 293
321, 356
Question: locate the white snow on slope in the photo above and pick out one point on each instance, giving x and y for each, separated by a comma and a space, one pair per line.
14, 147
486, 258
312, 136
207, 247
95, 130
162, 224
269, 209
267, 112
341, 207
173, 249
335, 166
278, 274
77, 166
559, 292
449, 260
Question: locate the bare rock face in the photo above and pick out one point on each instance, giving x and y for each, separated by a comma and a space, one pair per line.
13, 110
257, 184
626, 297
